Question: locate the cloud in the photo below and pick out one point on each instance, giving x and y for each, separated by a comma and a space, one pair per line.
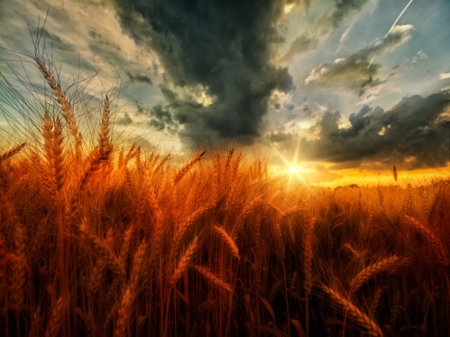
415, 129
301, 44
227, 48
323, 26
125, 120
160, 117
444, 76
357, 72
139, 78
334, 18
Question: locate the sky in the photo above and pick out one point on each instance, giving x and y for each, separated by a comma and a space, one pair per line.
336, 86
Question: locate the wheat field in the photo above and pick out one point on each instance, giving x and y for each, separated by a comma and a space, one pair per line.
109, 241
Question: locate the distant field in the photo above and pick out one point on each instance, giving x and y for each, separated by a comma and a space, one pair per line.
111, 242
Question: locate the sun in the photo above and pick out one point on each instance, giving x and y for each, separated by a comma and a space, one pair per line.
293, 169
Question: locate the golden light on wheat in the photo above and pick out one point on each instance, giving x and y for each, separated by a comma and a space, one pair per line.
107, 240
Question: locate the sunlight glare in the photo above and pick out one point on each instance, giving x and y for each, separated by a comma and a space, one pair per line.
293, 169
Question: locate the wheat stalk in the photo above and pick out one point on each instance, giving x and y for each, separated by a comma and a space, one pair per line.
375, 268
95, 279
161, 163
185, 169
36, 323
213, 279
372, 328
139, 263
228, 241
123, 315
63, 102
105, 144
96, 245
184, 261
248, 209
434, 241
66, 107
308, 254
126, 244
191, 220
11, 152
19, 269
54, 152
56, 318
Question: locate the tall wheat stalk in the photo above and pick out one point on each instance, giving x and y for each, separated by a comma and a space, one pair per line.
372, 328
432, 239
66, 107
11, 152
364, 275
185, 169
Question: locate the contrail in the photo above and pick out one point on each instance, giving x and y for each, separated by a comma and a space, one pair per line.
398, 18
393, 25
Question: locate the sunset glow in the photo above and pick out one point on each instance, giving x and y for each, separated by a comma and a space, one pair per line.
224, 168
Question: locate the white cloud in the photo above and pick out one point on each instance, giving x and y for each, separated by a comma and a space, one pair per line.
400, 29
422, 55
444, 76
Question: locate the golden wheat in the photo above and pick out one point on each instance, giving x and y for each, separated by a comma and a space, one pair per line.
372, 328
105, 145
93, 243
123, 316
364, 275
19, 269
432, 239
184, 261
185, 169
228, 241
56, 318
66, 107
11, 152
213, 279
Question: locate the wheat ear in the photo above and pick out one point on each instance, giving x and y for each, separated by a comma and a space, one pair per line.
375, 268
36, 323
139, 263
185, 169
213, 279
11, 152
161, 164
63, 101
105, 144
228, 241
123, 316
184, 261
56, 319
19, 269
191, 220
98, 247
431, 238
372, 328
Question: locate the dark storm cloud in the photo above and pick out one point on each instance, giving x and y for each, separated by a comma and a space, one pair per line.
139, 78
224, 46
160, 117
416, 128
357, 72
